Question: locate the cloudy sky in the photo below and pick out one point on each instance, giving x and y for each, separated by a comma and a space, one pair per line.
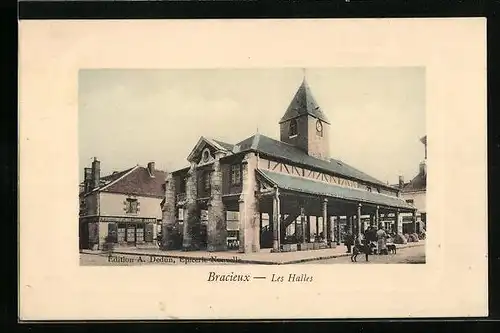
129, 117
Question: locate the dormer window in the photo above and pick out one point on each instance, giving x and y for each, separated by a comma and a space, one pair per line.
292, 131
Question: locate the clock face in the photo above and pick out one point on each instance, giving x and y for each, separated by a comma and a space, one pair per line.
319, 126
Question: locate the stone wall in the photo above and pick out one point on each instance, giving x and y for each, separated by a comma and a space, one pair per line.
169, 220
191, 227
248, 207
216, 228
301, 139
318, 146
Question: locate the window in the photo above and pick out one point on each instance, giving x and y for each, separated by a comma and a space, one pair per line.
206, 181
409, 201
140, 234
292, 131
131, 233
132, 206
236, 174
121, 233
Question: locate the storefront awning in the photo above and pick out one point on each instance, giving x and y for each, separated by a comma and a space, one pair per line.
299, 184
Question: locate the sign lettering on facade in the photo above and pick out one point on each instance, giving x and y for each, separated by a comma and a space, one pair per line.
306, 173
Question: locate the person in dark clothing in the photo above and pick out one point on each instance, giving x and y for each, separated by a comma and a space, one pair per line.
349, 241
366, 248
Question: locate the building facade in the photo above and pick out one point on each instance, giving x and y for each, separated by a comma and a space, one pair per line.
414, 193
288, 194
123, 208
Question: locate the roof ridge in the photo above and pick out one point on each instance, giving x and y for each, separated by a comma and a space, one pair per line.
119, 178
255, 141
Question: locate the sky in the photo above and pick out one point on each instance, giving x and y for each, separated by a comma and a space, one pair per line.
134, 116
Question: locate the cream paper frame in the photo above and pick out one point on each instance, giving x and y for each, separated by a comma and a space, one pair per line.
453, 282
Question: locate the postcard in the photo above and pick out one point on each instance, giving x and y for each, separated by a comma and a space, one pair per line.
252, 169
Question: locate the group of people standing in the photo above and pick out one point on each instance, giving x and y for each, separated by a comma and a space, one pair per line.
370, 239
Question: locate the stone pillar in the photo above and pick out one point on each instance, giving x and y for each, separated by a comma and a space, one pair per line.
359, 231
414, 220
217, 227
396, 221
303, 224
249, 207
192, 221
169, 221
308, 228
339, 231
317, 227
277, 222
325, 220
331, 231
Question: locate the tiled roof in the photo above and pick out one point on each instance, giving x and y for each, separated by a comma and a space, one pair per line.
114, 176
139, 182
303, 103
225, 145
293, 183
419, 183
275, 148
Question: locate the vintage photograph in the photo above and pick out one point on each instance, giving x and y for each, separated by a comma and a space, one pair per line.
252, 166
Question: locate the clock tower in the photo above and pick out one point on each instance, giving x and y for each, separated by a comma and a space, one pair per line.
304, 125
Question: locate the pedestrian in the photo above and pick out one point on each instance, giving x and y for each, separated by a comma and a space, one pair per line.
357, 249
366, 248
381, 240
349, 241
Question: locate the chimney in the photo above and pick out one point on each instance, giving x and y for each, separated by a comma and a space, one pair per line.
87, 179
96, 173
401, 182
151, 168
423, 168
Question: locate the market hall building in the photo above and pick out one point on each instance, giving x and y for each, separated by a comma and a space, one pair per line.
291, 181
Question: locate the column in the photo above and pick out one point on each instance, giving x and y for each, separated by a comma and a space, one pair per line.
325, 220
169, 221
331, 231
359, 231
249, 207
276, 221
350, 224
303, 224
317, 228
216, 228
308, 229
295, 231
339, 231
396, 221
414, 220
377, 217
192, 217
